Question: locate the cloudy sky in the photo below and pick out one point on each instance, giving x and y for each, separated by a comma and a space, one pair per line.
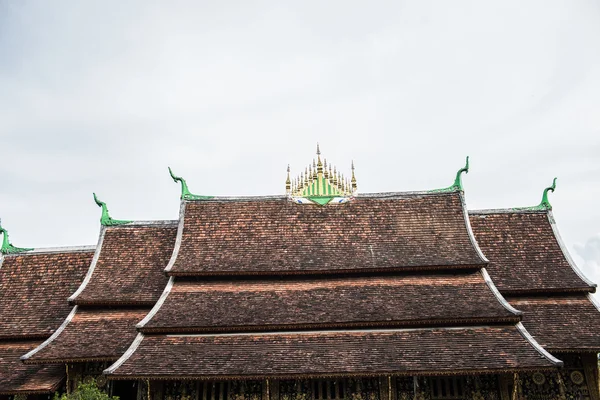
103, 96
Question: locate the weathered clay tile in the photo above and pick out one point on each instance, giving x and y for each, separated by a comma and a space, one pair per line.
404, 300
34, 289
524, 253
18, 378
91, 335
410, 351
561, 323
130, 265
276, 236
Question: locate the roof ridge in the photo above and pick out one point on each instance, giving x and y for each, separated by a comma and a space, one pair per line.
63, 249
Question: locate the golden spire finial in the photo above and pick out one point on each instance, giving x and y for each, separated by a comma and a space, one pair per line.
353, 181
326, 173
288, 182
319, 163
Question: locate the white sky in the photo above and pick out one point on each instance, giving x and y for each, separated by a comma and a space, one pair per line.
101, 96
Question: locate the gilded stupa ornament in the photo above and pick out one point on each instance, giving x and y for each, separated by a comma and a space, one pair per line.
318, 184
7, 247
106, 219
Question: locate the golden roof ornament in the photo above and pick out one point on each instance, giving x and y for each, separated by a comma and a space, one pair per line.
319, 184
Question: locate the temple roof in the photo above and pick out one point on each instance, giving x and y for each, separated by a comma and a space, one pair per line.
251, 305
34, 288
562, 323
128, 265
18, 378
371, 233
89, 335
525, 252
333, 353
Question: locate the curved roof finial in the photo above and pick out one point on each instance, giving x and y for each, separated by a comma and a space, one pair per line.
7, 247
106, 219
458, 181
457, 185
185, 192
545, 202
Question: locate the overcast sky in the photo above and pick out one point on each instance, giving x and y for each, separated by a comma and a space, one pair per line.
103, 96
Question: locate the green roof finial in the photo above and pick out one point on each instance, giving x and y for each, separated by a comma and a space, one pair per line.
457, 186
185, 192
7, 247
105, 219
458, 181
545, 204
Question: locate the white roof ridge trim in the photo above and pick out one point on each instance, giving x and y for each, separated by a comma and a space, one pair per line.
158, 304
565, 252
537, 346
146, 223
331, 331
50, 250
54, 335
506, 211
132, 348
470, 233
361, 195
177, 238
488, 280
92, 267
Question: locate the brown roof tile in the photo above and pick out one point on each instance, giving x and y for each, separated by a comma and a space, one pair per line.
130, 265
18, 378
266, 236
561, 323
412, 351
524, 253
34, 289
341, 302
91, 335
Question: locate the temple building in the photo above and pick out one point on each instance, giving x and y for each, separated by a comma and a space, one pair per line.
318, 294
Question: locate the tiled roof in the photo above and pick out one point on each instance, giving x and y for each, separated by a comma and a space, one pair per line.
18, 378
412, 351
524, 252
134, 256
91, 335
34, 289
561, 323
251, 305
276, 236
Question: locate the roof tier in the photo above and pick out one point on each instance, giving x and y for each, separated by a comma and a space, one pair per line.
251, 305
89, 335
313, 354
34, 288
133, 255
18, 378
256, 236
525, 252
562, 323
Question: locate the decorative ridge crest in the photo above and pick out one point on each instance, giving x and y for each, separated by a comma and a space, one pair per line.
457, 185
545, 203
7, 247
106, 219
319, 184
185, 192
